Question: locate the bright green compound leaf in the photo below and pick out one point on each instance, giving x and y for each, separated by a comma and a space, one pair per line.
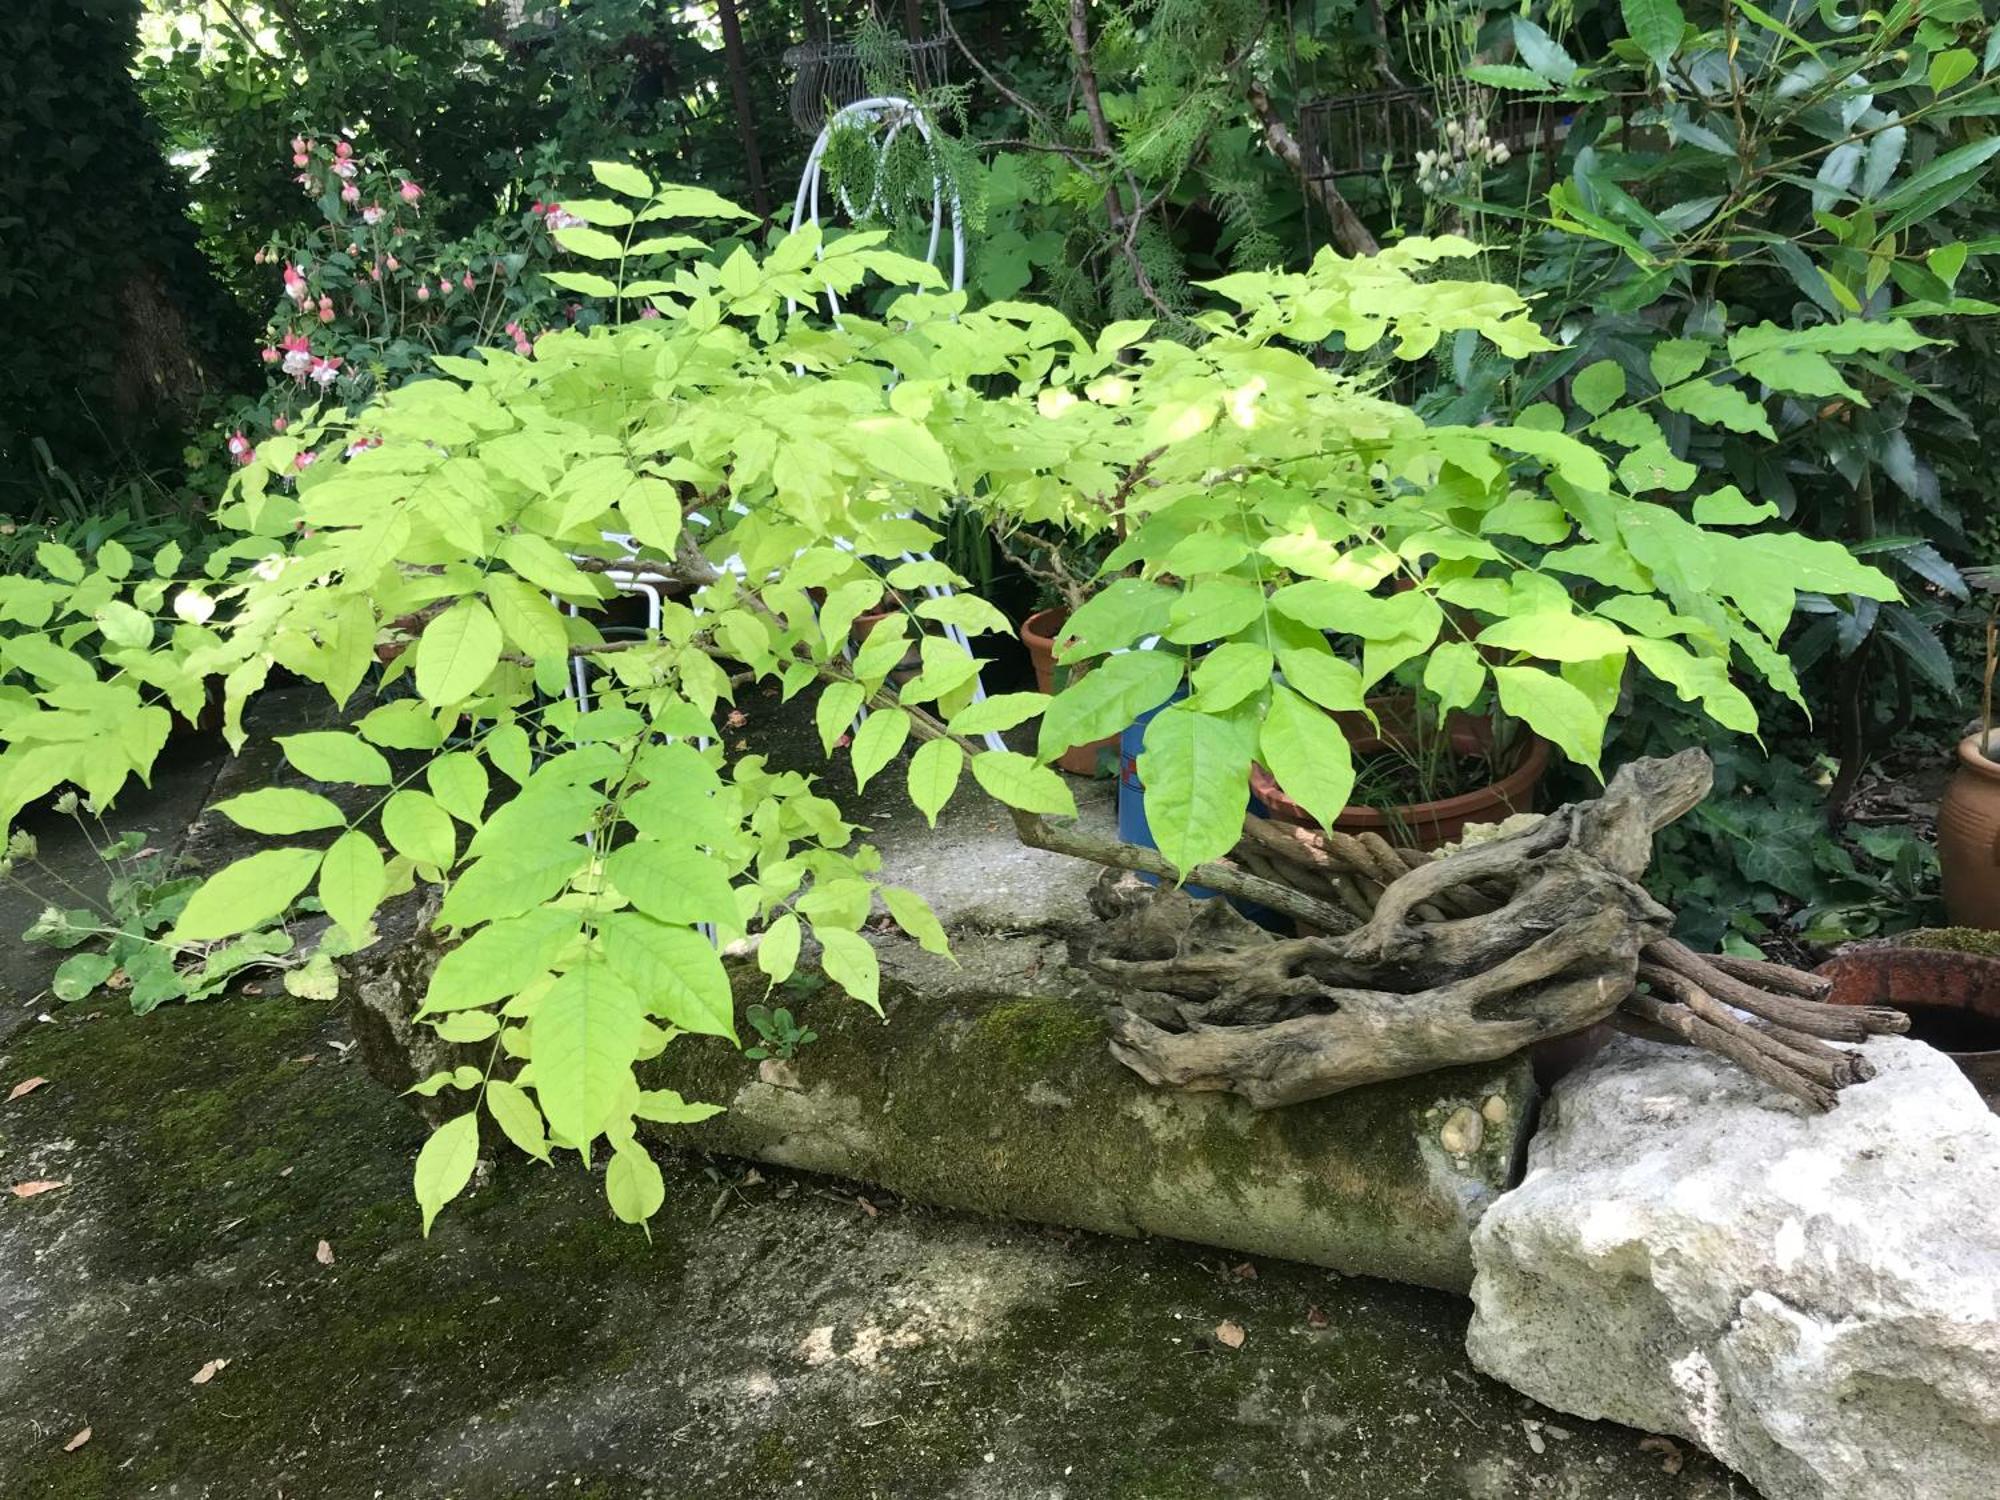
850, 962
1454, 674
633, 1185
668, 1108
352, 880
674, 971
673, 883
1229, 674
934, 772
499, 959
445, 1164
1107, 699
622, 177
1719, 406
1001, 712
834, 714
457, 653
1306, 752
517, 1116
1555, 635
1018, 781
1196, 771
460, 784
509, 882
281, 810
403, 724
1554, 709
247, 894
418, 828
876, 742
914, 915
467, 1026
1328, 680
778, 950
583, 1035
329, 755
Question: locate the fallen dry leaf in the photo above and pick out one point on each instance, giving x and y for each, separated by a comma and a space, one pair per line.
25, 1086
868, 1208
34, 1189
208, 1372
1316, 1317
1669, 1451
324, 1254
77, 1442
1244, 1272
1229, 1334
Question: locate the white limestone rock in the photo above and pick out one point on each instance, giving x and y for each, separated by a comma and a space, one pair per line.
1815, 1299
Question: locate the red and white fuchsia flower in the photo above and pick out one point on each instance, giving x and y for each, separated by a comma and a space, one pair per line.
372, 214
295, 283
325, 370
239, 447
298, 355
410, 191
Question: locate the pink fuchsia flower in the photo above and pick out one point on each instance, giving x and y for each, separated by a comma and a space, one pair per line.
410, 191
444, 287
374, 271
394, 264
279, 424
343, 150
466, 281
326, 309
299, 144
305, 460
372, 214
424, 292
349, 193
298, 355
271, 355
239, 445
649, 312
523, 348
325, 370
295, 283
344, 168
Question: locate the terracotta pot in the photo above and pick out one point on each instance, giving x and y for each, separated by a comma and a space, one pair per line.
1038, 634
1968, 837
1421, 825
1952, 1000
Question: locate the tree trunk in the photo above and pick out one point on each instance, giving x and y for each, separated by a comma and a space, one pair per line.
746, 122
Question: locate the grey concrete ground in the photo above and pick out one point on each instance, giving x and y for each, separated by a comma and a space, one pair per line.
777, 1335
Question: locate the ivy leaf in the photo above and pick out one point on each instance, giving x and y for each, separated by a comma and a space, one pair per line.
933, 776
1557, 711
1018, 781
850, 961
246, 894
329, 755
1108, 699
445, 1164
352, 880
419, 829
633, 1185
1307, 754
584, 1035
281, 811
1196, 771
674, 970
457, 653
876, 742
517, 1116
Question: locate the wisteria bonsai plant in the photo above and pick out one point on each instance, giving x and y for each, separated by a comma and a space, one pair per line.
759, 456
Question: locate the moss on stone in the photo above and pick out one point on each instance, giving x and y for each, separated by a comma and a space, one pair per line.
1978, 940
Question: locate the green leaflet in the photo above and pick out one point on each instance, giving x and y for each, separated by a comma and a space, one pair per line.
445, 1164
247, 894
1018, 781
1196, 771
673, 970
583, 1035
510, 881
518, 1117
417, 827
673, 882
778, 951
327, 755
876, 742
457, 653
1306, 753
1556, 710
1106, 699
850, 962
459, 783
933, 776
352, 880
914, 915
281, 810
633, 1185
499, 959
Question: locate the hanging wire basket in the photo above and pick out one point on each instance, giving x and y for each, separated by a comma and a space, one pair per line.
828, 76
1356, 134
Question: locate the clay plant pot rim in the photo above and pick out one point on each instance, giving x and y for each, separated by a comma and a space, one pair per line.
1971, 758
1512, 790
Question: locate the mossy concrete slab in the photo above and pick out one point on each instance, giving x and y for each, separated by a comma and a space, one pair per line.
772, 1339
